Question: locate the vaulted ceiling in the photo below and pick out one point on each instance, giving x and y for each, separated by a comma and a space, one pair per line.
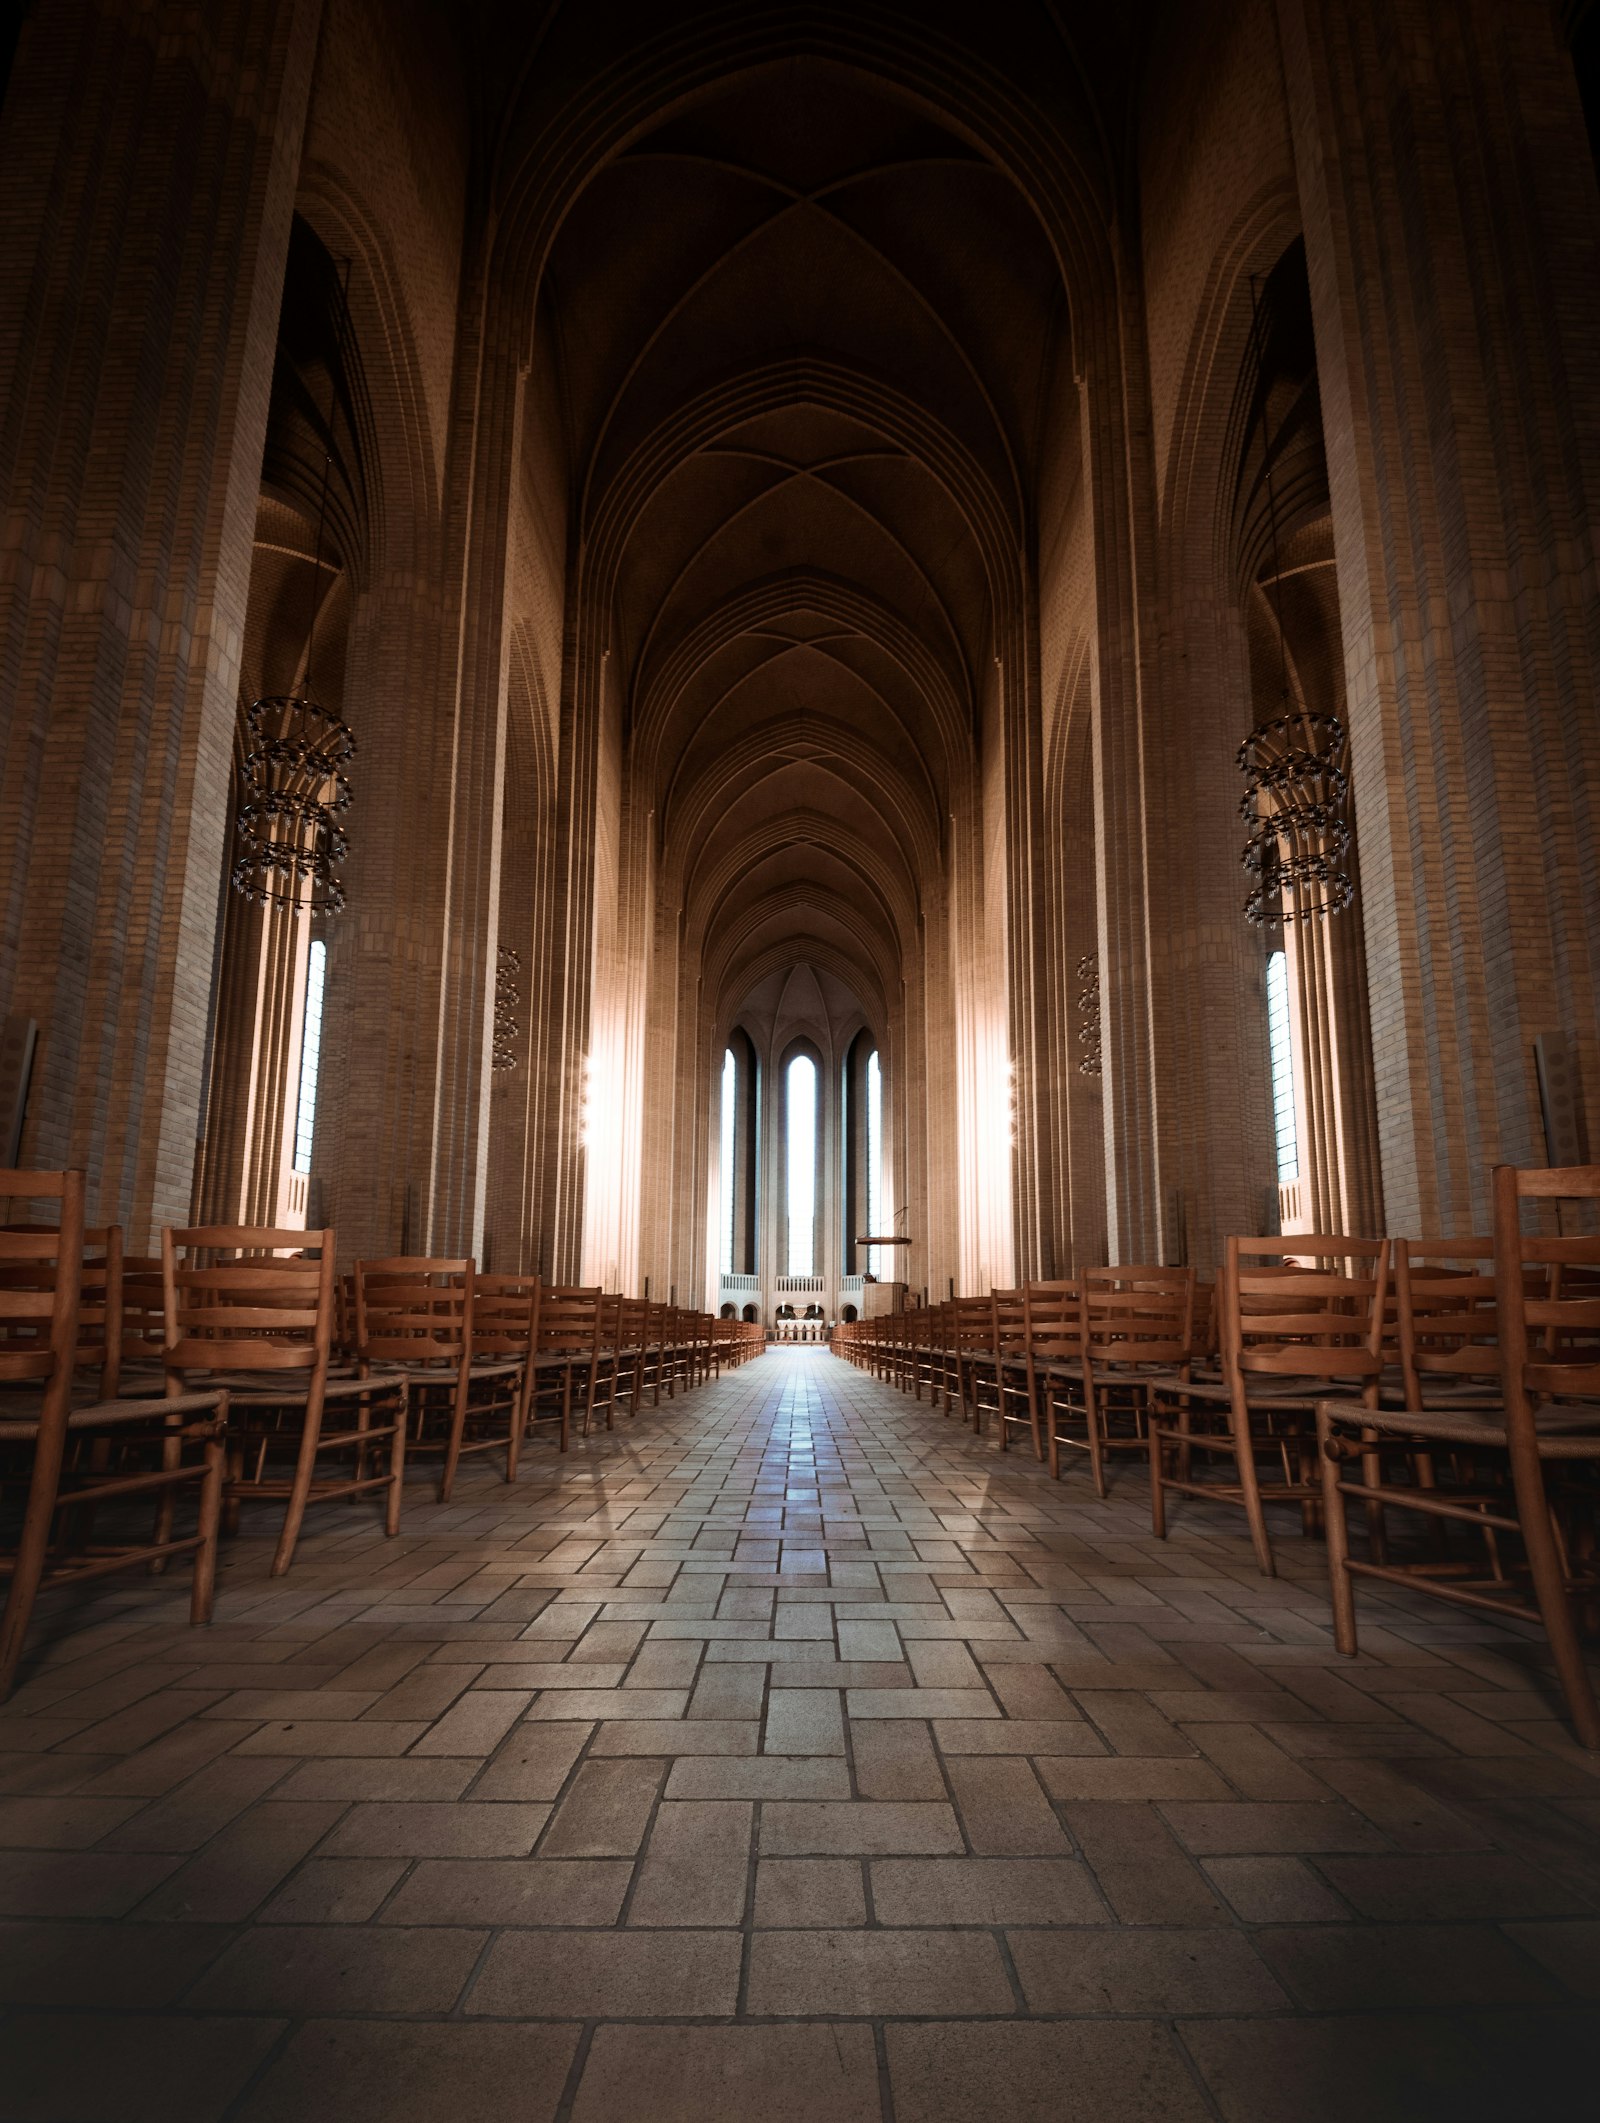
806, 336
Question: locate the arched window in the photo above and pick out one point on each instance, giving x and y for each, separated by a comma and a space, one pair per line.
800, 1119
730, 1102
1281, 1047
875, 1160
305, 1120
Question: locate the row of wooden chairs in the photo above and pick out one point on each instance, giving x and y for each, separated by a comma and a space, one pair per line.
239, 1365
1454, 1381
1068, 1359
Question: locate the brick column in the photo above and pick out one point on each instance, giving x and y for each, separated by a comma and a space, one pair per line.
1453, 239
1129, 826
151, 153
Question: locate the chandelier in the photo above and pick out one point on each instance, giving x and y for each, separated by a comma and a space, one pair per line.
1294, 804
506, 997
1296, 784
290, 843
1089, 1011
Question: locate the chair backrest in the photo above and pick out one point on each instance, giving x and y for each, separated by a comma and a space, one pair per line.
245, 1297
414, 1308
1053, 1319
972, 1322
39, 1292
1550, 1323
1447, 1317
1138, 1315
99, 1338
1283, 1317
611, 1304
1203, 1336
1008, 1322
344, 1329
569, 1319
505, 1314
144, 1310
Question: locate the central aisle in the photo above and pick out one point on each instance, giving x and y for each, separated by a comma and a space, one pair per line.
787, 1755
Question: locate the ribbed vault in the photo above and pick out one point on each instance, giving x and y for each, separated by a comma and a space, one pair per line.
808, 327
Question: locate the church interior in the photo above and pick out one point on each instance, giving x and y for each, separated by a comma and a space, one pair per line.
799, 1020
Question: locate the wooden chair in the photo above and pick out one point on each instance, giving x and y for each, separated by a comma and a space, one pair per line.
914, 1357
634, 1329
894, 1337
698, 1327
1008, 1338
567, 1361
974, 1359
613, 1371
248, 1307
1447, 1322
1290, 1334
943, 1372
680, 1351
76, 1460
344, 1318
142, 1325
415, 1313
1524, 1472
99, 1334
505, 1329
1137, 1325
1052, 1321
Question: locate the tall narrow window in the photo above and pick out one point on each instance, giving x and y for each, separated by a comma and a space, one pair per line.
874, 1159
730, 1101
801, 1147
305, 1119
1281, 1048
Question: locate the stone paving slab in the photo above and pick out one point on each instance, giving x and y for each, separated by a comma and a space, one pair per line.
788, 1751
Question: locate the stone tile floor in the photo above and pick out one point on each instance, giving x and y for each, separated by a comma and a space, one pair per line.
789, 1755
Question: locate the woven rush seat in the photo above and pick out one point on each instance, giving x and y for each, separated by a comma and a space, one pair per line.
256, 1389
1290, 1395
105, 1415
480, 1367
1563, 1432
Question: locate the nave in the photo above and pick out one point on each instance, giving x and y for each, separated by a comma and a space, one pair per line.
787, 1752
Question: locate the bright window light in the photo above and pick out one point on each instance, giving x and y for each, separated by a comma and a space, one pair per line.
874, 1158
1281, 1046
730, 1093
305, 1119
802, 1161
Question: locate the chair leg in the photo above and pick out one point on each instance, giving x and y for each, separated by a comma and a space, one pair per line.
32, 1549
452, 1451
1091, 1428
519, 1425
1341, 1588
1034, 1424
1550, 1590
1250, 1487
232, 1506
166, 1501
395, 1497
203, 1590
300, 1493
1158, 1489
